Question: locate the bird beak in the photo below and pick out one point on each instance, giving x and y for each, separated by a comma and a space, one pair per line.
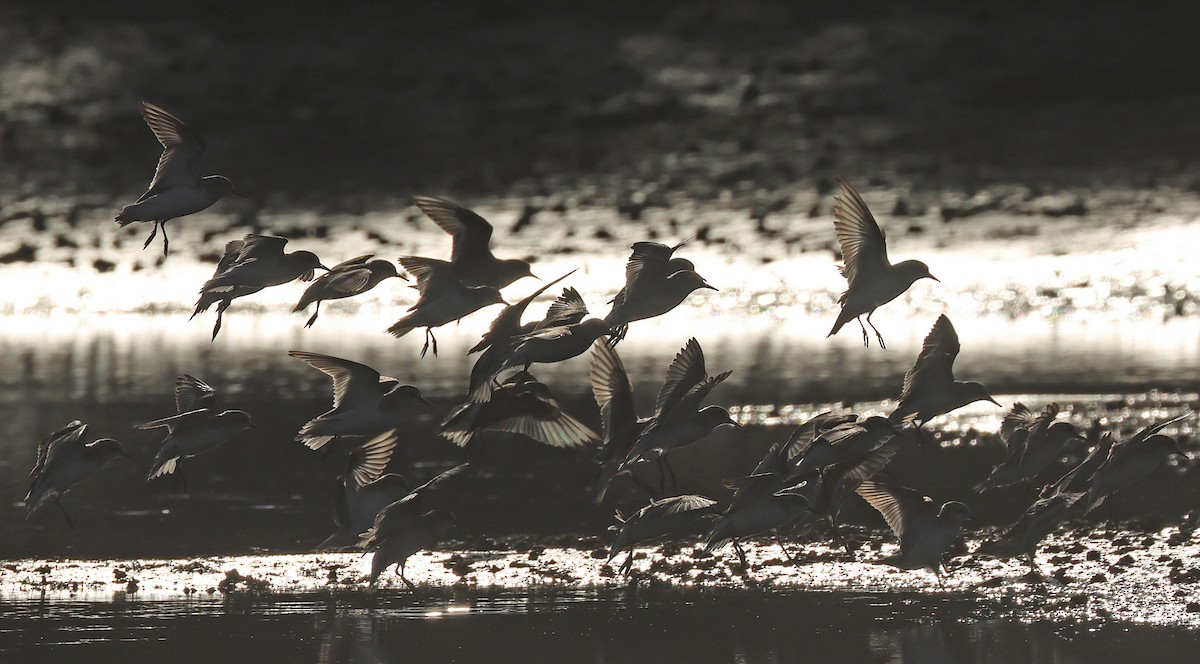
237, 193
710, 287
402, 276
425, 401
734, 423
934, 278
994, 401
322, 267
536, 277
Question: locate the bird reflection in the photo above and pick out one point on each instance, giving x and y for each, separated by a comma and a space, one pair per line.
349, 639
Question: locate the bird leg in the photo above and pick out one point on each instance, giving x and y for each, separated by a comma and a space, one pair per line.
627, 566
153, 232
220, 315
837, 536
166, 242
878, 336
782, 547
64, 511
411, 586
313, 319
866, 337
429, 339
737, 547
1034, 571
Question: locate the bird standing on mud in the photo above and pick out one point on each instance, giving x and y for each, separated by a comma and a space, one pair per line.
873, 280
177, 189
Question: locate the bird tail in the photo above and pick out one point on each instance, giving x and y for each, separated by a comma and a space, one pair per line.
125, 216
837, 326
36, 498
402, 327
163, 467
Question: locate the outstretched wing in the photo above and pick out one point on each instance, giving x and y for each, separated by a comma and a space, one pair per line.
935, 363
70, 434
686, 371
472, 233
351, 380
182, 147
368, 461
182, 421
425, 270
900, 506
191, 393
864, 250
567, 309
610, 385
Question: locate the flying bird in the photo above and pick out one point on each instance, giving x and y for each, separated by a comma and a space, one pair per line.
177, 189
364, 402
363, 490
405, 527
193, 432
63, 460
248, 266
678, 515
655, 283
1035, 442
471, 255
678, 418
618, 417
444, 299
520, 405
926, 531
929, 386
346, 279
873, 280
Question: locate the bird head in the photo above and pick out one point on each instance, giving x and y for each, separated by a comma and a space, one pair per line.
308, 262
486, 295
386, 269
109, 449
513, 269
1165, 446
915, 270
689, 280
441, 520
972, 392
219, 184
236, 420
409, 393
712, 417
954, 512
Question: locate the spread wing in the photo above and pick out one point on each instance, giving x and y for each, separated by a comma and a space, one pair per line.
191, 393
610, 385
51, 445
424, 270
255, 246
685, 372
357, 260
900, 506
508, 323
566, 309
545, 422
351, 380
675, 505
472, 233
368, 461
182, 147
1020, 417
864, 250
935, 363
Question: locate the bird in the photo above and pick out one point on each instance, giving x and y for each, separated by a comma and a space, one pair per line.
471, 255
193, 432
1129, 461
826, 486
501, 336
678, 419
249, 265
872, 280
444, 299
404, 527
363, 490
364, 402
1053, 506
346, 279
844, 441
655, 283
619, 420
521, 405
63, 460
926, 531
661, 518
1034, 443
177, 189
929, 387
555, 344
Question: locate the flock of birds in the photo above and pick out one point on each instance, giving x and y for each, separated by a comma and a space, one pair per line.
801, 482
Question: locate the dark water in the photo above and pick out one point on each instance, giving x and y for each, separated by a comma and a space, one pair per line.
575, 626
